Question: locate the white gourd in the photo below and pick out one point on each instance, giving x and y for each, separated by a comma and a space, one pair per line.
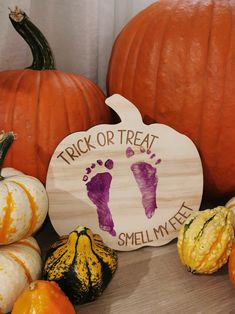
20, 264
23, 200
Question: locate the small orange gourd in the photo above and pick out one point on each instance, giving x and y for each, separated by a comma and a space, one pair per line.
43, 297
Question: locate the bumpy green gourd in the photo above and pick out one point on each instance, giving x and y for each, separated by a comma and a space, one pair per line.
81, 264
205, 240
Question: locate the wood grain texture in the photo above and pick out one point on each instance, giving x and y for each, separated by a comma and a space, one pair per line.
152, 280
134, 184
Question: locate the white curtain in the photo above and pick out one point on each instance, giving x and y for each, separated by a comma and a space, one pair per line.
80, 32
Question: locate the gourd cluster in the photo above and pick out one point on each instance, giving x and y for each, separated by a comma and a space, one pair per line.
167, 68
40, 106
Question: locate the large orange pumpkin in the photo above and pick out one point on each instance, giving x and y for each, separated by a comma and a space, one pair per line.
176, 61
43, 105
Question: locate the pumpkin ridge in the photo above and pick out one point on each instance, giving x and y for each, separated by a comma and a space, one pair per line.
56, 261
205, 258
200, 234
33, 207
88, 105
78, 284
220, 138
182, 238
52, 117
137, 44
27, 244
58, 77
204, 92
41, 131
173, 8
58, 243
105, 269
93, 107
187, 256
126, 57
90, 284
7, 219
186, 253
22, 265
82, 92
223, 231
11, 123
225, 254
222, 107
102, 250
95, 287
36, 120
187, 59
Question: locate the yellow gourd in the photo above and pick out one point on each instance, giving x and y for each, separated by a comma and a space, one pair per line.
205, 240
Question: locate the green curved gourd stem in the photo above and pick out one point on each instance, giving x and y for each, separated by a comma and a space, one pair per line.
43, 58
6, 139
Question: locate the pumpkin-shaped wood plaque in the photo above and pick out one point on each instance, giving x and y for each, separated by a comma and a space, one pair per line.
134, 184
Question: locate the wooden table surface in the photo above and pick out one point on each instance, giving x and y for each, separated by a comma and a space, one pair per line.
152, 280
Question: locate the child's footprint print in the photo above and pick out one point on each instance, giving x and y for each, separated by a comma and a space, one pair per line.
145, 175
98, 192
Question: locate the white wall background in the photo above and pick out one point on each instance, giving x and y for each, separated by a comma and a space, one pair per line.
80, 32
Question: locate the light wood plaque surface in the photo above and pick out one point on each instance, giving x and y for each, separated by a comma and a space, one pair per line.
132, 183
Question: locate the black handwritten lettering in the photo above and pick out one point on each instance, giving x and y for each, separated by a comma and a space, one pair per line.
185, 214
130, 237
88, 144
61, 155
121, 135
76, 149
162, 230
121, 238
172, 222
101, 138
138, 237
129, 137
80, 148
134, 238
137, 139
110, 136
180, 217
70, 151
153, 138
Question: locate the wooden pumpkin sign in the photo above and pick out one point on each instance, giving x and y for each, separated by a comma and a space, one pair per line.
134, 184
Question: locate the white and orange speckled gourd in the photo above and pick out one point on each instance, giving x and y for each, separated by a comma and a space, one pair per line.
205, 240
23, 200
20, 264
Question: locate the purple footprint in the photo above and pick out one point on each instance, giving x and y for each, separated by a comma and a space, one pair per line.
98, 192
147, 179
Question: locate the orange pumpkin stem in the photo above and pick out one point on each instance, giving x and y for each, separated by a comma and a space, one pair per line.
6, 139
43, 58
